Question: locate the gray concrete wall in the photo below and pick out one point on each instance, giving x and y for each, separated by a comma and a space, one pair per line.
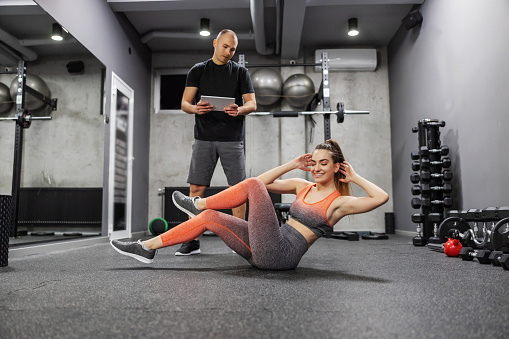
117, 46
454, 68
66, 151
365, 139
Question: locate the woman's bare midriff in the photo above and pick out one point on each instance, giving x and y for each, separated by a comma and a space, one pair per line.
304, 230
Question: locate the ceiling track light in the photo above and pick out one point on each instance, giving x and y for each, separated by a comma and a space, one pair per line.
204, 27
57, 33
353, 28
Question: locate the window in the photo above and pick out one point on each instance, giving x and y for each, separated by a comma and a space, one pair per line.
168, 89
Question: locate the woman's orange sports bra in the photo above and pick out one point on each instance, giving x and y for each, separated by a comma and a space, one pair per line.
314, 216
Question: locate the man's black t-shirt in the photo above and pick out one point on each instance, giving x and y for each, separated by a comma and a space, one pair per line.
229, 80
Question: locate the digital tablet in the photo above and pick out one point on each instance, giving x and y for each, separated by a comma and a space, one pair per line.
219, 103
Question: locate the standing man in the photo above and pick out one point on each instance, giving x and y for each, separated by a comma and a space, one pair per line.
217, 134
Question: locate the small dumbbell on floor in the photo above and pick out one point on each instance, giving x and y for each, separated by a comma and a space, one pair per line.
468, 254
418, 219
504, 261
495, 257
435, 218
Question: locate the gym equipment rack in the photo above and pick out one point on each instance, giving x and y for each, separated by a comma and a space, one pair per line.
23, 120
322, 96
430, 182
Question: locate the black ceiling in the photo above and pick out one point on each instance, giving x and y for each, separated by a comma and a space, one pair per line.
283, 28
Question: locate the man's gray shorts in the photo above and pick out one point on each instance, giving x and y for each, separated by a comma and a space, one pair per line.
204, 161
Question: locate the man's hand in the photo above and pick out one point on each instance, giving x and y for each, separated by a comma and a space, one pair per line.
233, 110
203, 107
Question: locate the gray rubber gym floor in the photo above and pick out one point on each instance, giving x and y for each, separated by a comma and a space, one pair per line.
365, 289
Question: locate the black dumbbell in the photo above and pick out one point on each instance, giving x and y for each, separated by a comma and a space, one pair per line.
446, 188
418, 219
468, 254
435, 218
415, 178
435, 123
453, 213
474, 215
415, 155
443, 150
495, 257
504, 261
446, 175
426, 188
424, 151
417, 203
428, 122
416, 165
496, 213
445, 163
417, 189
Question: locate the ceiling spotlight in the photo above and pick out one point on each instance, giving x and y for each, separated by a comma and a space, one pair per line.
353, 29
204, 27
57, 33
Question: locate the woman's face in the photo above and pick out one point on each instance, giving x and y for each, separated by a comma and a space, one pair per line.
323, 167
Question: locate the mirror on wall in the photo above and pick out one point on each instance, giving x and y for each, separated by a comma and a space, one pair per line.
61, 172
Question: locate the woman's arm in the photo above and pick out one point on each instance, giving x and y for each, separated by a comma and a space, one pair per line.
286, 186
354, 205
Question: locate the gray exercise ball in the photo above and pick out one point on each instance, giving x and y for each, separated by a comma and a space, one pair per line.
298, 90
267, 84
35, 82
5, 98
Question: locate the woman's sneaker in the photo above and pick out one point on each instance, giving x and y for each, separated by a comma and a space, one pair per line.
185, 203
189, 248
134, 250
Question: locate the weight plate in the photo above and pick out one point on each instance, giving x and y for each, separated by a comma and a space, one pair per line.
448, 224
500, 234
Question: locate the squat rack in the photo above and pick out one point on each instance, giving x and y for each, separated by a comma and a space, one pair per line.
324, 94
23, 120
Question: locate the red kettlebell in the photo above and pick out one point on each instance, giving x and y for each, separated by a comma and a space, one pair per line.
452, 247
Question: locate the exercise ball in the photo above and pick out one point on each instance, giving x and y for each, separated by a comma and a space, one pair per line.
298, 90
5, 98
36, 83
267, 84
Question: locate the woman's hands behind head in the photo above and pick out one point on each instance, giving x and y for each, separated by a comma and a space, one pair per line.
303, 162
347, 171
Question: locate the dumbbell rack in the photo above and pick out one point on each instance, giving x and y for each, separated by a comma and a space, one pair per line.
430, 182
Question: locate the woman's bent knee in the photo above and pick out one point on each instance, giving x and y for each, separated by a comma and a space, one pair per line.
254, 181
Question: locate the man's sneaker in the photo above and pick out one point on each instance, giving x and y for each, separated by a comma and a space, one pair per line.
189, 248
185, 203
134, 250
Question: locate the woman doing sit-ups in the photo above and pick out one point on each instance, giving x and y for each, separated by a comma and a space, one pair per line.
261, 240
